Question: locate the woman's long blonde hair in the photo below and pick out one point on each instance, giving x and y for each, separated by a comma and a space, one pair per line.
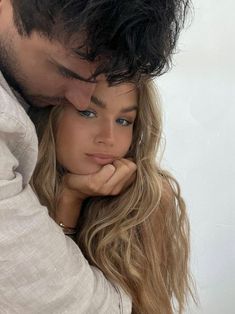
140, 238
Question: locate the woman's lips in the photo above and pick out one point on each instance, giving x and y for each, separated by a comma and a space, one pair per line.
101, 159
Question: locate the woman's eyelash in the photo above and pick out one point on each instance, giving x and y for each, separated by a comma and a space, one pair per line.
87, 113
126, 122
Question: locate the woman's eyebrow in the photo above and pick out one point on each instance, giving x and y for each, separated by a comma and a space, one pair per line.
129, 109
100, 103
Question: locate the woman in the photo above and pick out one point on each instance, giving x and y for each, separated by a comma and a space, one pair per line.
140, 236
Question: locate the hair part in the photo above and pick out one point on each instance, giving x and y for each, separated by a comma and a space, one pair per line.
131, 38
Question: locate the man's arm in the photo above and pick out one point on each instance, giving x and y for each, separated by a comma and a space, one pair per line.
41, 270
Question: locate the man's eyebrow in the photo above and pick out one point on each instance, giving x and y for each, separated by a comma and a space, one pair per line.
100, 103
70, 74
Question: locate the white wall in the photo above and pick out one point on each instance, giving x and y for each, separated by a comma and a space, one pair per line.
199, 109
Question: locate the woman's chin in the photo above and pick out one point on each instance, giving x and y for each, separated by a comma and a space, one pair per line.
86, 171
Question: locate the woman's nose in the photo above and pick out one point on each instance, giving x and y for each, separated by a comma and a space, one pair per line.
105, 134
79, 93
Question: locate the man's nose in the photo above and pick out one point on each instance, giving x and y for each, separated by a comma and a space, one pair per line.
79, 94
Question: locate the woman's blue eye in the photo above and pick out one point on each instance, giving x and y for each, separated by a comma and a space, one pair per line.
123, 122
87, 113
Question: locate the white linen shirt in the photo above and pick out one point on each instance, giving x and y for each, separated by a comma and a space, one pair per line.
41, 269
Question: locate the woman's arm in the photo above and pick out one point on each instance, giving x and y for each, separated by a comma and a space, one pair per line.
109, 180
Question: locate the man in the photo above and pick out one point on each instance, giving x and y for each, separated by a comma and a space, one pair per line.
54, 52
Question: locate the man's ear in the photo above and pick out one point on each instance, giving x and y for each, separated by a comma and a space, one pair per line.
3, 5
5, 12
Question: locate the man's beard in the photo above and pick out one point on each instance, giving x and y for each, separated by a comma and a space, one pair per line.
10, 68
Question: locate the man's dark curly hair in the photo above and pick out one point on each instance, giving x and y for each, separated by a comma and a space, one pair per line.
132, 38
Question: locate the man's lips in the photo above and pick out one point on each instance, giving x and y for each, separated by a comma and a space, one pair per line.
102, 159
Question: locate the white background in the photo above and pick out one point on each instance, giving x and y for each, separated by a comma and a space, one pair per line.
198, 97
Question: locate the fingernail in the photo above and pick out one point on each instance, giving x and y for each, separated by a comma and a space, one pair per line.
111, 167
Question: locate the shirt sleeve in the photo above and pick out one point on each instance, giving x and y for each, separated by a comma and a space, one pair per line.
41, 269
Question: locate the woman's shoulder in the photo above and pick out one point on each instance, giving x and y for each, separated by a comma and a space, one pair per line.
167, 193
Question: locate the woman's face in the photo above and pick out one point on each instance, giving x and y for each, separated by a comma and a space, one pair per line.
89, 139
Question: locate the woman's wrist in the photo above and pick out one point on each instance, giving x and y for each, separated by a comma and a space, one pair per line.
68, 209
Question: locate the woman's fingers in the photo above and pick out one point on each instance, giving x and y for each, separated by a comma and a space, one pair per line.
125, 169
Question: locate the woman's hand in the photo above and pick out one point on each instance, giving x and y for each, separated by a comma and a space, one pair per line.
111, 179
